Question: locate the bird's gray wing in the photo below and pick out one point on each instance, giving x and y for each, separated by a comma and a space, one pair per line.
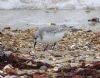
54, 29
47, 30
51, 29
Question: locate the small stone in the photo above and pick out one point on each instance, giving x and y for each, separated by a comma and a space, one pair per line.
56, 68
1, 76
77, 76
40, 75
43, 68
1, 71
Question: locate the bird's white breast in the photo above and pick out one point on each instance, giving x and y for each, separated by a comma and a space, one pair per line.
50, 38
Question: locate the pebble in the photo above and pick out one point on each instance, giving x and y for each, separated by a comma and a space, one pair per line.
43, 68
76, 45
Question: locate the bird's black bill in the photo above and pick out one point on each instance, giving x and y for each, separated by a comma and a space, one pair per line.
35, 44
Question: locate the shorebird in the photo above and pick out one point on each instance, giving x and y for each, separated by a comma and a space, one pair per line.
50, 35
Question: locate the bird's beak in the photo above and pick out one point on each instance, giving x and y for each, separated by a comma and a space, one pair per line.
35, 44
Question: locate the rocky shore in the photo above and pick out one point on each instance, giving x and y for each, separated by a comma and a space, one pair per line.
77, 55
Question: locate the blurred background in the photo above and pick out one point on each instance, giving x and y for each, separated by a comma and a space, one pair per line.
28, 13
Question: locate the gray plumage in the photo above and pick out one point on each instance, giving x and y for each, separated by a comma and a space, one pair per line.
51, 34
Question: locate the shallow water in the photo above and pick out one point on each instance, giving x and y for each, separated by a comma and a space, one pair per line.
27, 18
45, 4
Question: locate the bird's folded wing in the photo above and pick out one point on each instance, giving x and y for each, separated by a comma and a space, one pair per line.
54, 29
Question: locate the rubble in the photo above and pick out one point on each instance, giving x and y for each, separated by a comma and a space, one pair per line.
77, 55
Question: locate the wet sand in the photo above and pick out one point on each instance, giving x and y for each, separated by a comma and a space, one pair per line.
28, 18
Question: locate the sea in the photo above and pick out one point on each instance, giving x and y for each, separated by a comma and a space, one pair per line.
29, 13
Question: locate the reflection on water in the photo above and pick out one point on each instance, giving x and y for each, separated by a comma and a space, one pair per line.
25, 18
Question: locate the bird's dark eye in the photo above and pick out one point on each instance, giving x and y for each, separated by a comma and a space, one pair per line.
36, 37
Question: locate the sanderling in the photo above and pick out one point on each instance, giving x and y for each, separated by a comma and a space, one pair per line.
50, 35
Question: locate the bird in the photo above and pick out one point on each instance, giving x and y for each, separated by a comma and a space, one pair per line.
50, 34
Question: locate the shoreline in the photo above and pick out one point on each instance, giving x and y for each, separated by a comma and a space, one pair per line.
29, 18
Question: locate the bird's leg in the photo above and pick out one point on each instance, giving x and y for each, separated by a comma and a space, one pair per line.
54, 45
45, 47
35, 44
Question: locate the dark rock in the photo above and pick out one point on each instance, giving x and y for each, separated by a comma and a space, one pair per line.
95, 19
